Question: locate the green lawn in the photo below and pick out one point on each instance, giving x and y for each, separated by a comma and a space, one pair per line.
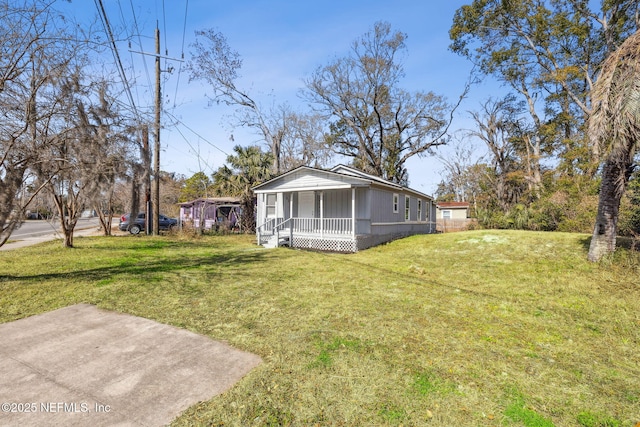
478, 328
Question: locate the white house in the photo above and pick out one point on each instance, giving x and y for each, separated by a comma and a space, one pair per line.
341, 210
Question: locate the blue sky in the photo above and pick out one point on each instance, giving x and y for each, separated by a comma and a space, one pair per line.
281, 43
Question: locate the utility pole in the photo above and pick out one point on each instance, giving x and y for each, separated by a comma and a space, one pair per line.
146, 161
156, 166
155, 223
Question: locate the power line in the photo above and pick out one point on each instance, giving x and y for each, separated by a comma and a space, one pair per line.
197, 134
197, 152
133, 68
144, 60
184, 32
164, 28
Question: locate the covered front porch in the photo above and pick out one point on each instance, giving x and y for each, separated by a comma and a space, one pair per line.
322, 219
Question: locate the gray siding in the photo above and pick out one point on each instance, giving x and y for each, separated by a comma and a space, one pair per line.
337, 203
382, 206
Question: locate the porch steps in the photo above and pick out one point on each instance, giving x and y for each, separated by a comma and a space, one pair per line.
274, 242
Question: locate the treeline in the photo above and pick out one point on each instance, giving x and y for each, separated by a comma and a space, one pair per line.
542, 169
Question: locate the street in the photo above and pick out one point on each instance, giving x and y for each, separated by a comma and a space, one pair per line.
35, 228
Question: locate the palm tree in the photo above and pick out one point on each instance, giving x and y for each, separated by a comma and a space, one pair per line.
614, 129
249, 167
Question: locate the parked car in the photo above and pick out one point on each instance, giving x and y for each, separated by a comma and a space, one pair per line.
138, 225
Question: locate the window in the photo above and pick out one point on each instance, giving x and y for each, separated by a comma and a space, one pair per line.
446, 214
396, 202
271, 206
419, 209
407, 208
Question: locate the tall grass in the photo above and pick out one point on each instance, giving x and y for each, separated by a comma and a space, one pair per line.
466, 329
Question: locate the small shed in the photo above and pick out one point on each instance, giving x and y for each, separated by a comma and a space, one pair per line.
453, 216
452, 210
217, 212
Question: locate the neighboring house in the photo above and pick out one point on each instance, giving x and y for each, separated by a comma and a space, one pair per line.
216, 211
452, 216
341, 210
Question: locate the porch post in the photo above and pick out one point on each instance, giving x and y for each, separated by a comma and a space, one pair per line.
353, 212
291, 220
321, 214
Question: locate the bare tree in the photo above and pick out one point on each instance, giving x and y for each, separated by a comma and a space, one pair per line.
214, 62
373, 121
497, 126
35, 50
304, 142
87, 148
457, 166
109, 141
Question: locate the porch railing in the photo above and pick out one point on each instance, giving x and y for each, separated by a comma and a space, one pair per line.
281, 227
267, 229
329, 226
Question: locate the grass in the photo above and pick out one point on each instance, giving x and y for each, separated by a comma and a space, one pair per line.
482, 328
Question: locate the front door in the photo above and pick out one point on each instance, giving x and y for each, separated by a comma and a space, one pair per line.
306, 204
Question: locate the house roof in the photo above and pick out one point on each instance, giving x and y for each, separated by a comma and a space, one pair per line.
452, 205
213, 201
305, 178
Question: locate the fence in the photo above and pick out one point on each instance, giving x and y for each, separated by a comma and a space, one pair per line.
451, 225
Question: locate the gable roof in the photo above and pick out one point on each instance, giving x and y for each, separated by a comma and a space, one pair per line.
305, 178
347, 170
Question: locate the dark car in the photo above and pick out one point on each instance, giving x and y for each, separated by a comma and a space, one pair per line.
139, 224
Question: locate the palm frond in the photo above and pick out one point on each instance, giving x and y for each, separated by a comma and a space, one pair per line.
614, 125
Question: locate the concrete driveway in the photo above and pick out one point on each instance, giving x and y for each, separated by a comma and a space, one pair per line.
81, 366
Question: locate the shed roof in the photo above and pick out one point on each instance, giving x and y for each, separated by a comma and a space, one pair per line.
213, 201
452, 205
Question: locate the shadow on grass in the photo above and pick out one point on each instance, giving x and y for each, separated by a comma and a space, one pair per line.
585, 242
241, 261
622, 242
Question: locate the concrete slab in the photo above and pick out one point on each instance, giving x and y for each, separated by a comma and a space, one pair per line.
81, 365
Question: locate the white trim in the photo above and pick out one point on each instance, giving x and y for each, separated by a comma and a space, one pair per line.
353, 213
322, 214
407, 209
309, 188
355, 180
290, 205
274, 205
419, 208
396, 203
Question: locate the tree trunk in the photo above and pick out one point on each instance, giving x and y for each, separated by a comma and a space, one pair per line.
68, 237
248, 221
615, 175
105, 221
